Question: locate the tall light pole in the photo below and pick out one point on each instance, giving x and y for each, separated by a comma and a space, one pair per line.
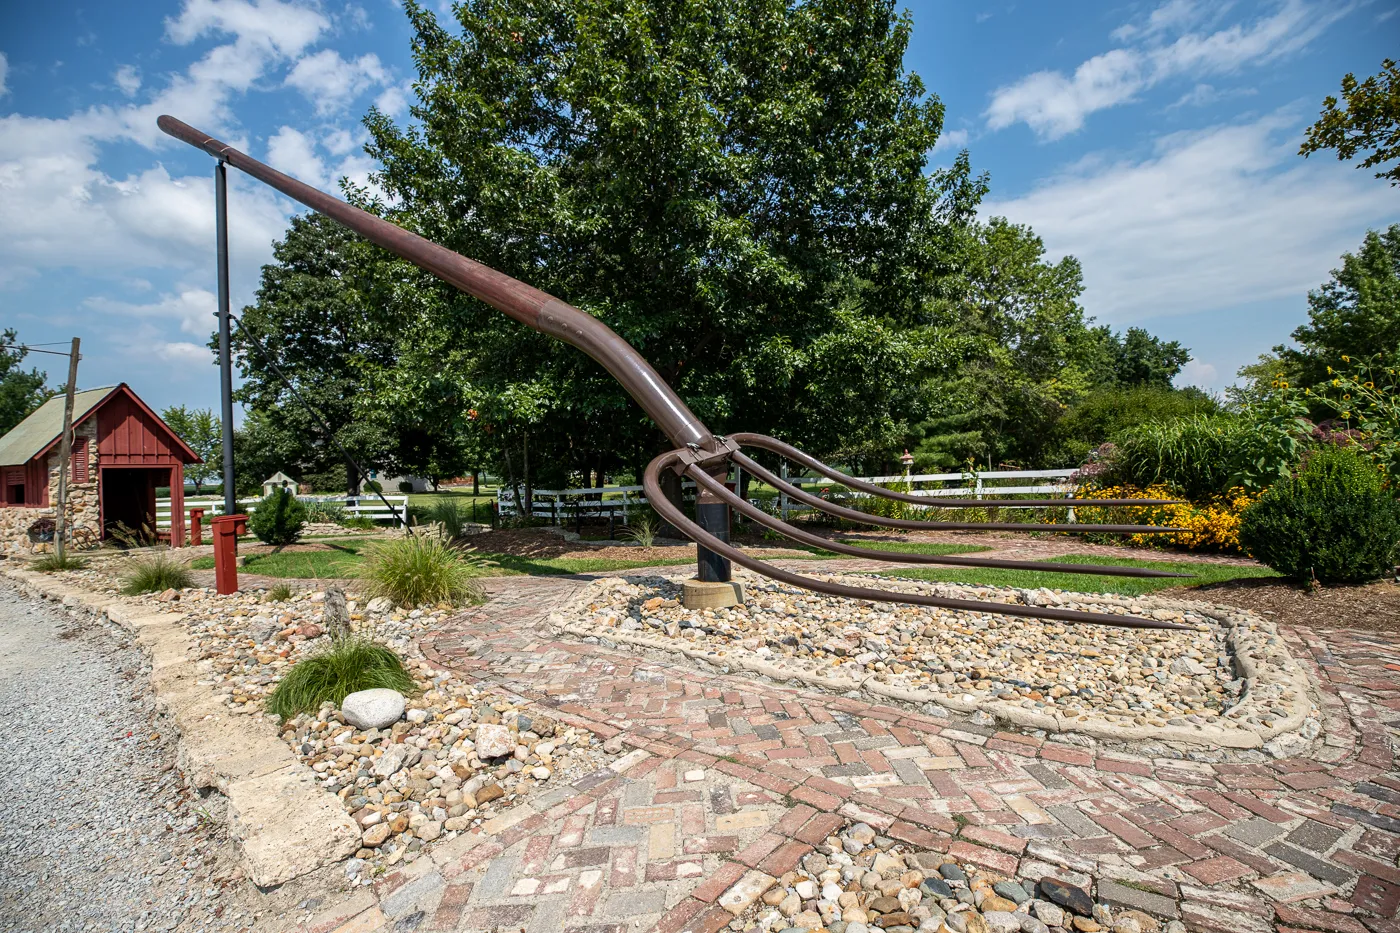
225, 340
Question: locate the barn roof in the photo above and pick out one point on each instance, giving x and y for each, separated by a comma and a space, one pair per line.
41, 430
43, 426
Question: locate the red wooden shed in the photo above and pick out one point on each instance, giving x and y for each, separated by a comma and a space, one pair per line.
122, 451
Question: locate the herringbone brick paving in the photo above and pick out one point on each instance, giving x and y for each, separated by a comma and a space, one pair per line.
1227, 847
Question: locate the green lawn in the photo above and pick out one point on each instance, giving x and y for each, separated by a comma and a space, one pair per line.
1202, 574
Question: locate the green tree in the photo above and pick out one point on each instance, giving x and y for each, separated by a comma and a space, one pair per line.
20, 392
738, 189
311, 321
1356, 313
201, 430
1137, 358
1370, 120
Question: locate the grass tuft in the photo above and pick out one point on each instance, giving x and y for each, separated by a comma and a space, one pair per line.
156, 574
280, 593
344, 667
451, 515
50, 563
418, 570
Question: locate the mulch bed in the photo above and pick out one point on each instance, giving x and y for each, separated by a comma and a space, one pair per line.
1370, 607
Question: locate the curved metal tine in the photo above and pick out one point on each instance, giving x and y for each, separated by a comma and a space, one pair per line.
776, 446
668, 511
763, 518
866, 518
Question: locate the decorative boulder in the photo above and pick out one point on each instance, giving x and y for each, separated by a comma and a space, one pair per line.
493, 741
373, 709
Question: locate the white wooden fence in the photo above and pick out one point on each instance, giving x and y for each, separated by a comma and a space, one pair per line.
369, 506
561, 506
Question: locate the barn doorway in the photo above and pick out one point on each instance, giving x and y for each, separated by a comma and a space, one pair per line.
129, 498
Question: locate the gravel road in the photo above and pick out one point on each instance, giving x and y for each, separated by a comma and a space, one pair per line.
97, 831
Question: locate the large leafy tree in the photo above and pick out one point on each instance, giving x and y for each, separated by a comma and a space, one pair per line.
201, 430
1367, 120
309, 321
737, 188
1355, 313
21, 391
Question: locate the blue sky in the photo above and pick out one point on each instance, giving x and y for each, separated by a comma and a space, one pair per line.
1155, 141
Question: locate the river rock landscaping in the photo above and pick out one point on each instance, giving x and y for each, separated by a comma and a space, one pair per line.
1229, 681
458, 756
858, 881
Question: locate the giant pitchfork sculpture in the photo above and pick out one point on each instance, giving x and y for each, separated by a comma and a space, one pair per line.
701, 455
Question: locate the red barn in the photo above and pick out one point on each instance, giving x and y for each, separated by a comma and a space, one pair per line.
122, 451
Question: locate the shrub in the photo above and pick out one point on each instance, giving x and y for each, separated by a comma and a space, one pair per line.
330, 512
1332, 522
156, 574
358, 522
50, 563
373, 485
405, 486
345, 666
642, 527
278, 518
418, 570
450, 514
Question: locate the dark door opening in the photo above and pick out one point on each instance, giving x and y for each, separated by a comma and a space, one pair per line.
129, 499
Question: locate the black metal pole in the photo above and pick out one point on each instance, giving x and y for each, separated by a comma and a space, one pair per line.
225, 340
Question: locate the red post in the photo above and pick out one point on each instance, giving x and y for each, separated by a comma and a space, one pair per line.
227, 528
177, 505
196, 527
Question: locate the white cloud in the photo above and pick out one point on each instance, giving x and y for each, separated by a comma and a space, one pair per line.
1055, 105
128, 80
184, 354
1196, 373
951, 139
192, 308
4, 72
285, 28
393, 101
330, 82
294, 152
1212, 220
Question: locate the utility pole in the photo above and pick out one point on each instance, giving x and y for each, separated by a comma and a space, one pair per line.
65, 453
225, 340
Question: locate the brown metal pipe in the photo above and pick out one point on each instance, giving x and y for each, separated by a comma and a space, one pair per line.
526, 304
855, 515
679, 519
772, 444
718, 490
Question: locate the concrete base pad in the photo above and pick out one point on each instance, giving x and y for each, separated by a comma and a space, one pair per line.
699, 594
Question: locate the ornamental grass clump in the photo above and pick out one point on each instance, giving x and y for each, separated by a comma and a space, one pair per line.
1334, 522
421, 570
343, 667
156, 574
51, 563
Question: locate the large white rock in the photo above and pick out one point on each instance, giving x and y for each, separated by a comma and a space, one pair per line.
493, 741
373, 709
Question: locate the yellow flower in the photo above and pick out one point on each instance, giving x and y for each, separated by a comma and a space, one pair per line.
1283, 385
1370, 385
1346, 414
1329, 370
1336, 382
1345, 358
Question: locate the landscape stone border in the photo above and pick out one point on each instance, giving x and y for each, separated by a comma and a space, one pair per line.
1273, 679
285, 826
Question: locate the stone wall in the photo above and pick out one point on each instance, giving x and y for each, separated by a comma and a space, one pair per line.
83, 511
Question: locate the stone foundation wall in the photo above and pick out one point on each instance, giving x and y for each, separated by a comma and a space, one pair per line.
83, 510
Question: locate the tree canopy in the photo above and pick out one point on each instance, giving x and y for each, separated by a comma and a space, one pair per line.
21, 391
1355, 313
201, 430
1369, 121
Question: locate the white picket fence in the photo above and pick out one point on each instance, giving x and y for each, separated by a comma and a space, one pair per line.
369, 506
561, 506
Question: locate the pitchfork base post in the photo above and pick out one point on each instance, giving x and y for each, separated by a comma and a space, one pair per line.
703, 594
712, 514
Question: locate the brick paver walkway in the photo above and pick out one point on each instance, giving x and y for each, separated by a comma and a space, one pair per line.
730, 776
